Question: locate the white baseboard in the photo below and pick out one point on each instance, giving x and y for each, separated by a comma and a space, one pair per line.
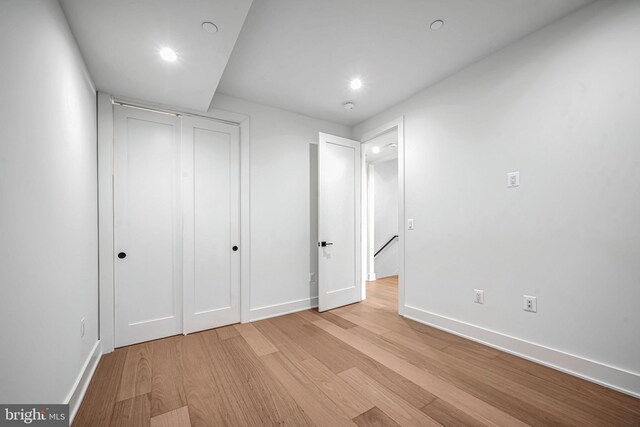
74, 399
371, 277
600, 373
268, 311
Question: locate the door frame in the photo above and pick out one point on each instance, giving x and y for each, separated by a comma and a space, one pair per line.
106, 255
365, 138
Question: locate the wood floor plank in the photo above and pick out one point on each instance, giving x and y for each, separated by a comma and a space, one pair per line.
133, 412
529, 408
399, 410
338, 320
449, 415
357, 365
338, 357
176, 418
283, 342
350, 401
97, 406
309, 315
374, 417
429, 382
361, 321
167, 391
206, 407
261, 345
263, 400
227, 332
136, 374
320, 409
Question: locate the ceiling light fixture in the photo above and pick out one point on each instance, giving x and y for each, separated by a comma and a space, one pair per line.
168, 54
375, 150
349, 105
356, 84
209, 27
437, 24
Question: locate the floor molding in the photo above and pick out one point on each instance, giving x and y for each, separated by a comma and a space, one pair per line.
74, 399
274, 310
608, 376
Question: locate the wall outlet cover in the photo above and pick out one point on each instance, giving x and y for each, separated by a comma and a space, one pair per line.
530, 303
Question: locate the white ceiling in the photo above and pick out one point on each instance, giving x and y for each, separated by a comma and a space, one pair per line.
300, 55
120, 39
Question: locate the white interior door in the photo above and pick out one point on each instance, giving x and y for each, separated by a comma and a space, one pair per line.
211, 173
338, 222
147, 224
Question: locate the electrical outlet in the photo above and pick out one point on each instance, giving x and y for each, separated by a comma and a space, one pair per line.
478, 296
82, 328
530, 303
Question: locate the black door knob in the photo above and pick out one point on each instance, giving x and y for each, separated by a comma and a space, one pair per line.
235, 248
122, 255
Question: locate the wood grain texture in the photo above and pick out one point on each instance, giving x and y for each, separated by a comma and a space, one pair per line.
167, 391
374, 417
134, 412
261, 345
176, 418
136, 374
357, 365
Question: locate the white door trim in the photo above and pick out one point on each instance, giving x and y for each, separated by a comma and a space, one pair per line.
105, 206
368, 136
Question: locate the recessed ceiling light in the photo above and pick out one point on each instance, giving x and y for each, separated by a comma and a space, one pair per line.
209, 27
349, 105
392, 145
168, 54
437, 24
356, 84
375, 150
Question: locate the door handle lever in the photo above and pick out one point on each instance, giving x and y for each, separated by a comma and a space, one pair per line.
325, 244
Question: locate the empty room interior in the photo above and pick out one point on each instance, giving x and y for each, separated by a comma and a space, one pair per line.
322, 213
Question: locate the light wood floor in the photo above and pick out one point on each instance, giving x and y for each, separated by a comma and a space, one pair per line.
358, 365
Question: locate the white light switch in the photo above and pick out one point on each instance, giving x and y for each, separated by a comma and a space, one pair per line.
410, 224
513, 179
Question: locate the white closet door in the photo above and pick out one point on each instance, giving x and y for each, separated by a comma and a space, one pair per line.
338, 222
148, 291
211, 166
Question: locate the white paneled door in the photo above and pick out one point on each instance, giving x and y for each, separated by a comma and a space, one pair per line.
176, 235
211, 224
147, 225
339, 222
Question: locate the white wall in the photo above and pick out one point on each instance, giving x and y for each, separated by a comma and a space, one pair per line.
48, 228
283, 193
385, 178
561, 106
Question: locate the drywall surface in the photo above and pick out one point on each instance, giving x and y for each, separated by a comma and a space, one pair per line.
385, 178
560, 106
282, 197
48, 212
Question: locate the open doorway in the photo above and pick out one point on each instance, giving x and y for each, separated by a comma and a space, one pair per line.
382, 218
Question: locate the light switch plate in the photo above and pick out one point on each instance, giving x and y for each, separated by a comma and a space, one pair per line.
513, 179
478, 296
410, 224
